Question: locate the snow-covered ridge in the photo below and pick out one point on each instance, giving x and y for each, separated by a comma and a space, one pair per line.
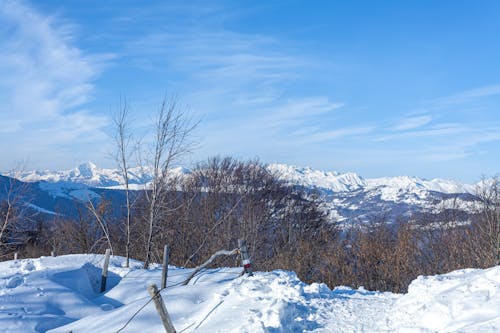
88, 173
350, 181
346, 197
314, 178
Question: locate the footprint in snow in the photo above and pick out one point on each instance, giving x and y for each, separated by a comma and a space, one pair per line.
28, 266
14, 282
106, 307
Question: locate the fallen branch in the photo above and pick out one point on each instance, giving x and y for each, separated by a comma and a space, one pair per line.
209, 261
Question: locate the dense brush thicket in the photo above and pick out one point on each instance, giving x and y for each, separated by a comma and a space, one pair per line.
224, 199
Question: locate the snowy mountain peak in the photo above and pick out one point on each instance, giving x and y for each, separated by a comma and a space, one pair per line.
406, 183
90, 174
87, 169
350, 181
319, 179
86, 173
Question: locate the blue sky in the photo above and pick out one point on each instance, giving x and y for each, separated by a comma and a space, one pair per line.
378, 88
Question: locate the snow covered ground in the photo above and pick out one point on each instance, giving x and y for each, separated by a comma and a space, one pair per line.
58, 295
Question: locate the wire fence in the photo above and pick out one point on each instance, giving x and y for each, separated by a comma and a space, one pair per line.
97, 261
188, 274
150, 299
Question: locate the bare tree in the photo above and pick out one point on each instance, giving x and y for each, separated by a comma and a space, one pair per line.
99, 214
16, 215
488, 224
122, 156
172, 133
79, 234
226, 199
8, 209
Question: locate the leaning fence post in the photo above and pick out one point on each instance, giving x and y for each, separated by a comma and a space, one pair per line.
164, 272
161, 309
245, 258
104, 274
208, 262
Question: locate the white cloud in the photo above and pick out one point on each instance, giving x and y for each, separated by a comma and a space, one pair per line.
338, 134
239, 82
444, 129
222, 71
283, 124
444, 142
412, 122
467, 96
297, 112
44, 82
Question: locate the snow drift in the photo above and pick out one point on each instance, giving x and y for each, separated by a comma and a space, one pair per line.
58, 295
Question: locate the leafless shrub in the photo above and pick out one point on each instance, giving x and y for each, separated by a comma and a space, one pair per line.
17, 216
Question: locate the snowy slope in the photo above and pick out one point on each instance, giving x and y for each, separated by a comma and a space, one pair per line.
57, 295
461, 301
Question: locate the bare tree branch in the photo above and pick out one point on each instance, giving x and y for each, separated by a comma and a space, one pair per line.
172, 131
123, 153
102, 223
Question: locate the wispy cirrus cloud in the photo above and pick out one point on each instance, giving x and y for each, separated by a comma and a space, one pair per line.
442, 141
283, 123
436, 130
297, 112
218, 66
467, 96
412, 122
448, 128
239, 82
336, 134
44, 81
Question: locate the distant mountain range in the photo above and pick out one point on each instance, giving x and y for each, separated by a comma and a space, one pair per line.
347, 197
87, 173
350, 198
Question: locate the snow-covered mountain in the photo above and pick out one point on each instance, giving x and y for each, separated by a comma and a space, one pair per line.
347, 197
89, 174
342, 182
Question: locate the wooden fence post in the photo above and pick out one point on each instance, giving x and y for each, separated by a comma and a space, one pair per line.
245, 258
104, 274
161, 309
164, 272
